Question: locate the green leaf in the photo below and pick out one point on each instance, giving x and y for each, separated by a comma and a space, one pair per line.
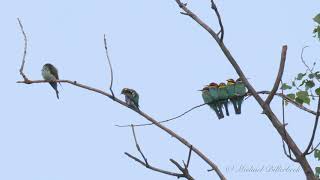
317, 18
291, 96
293, 83
317, 74
316, 32
303, 96
310, 84
285, 86
311, 75
318, 91
299, 101
300, 76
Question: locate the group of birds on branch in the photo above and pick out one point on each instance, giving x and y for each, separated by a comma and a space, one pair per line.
218, 96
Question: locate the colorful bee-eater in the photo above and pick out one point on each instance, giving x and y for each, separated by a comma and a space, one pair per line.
50, 73
240, 89
131, 97
232, 94
223, 96
213, 89
208, 99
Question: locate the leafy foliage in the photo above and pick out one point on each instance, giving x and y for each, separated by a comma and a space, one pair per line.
316, 30
303, 87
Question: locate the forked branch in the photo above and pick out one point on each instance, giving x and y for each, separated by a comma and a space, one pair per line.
279, 76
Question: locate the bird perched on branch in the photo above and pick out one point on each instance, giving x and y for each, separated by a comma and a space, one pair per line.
131, 97
232, 94
241, 91
50, 73
223, 96
211, 100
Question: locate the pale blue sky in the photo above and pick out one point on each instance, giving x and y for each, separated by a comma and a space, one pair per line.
166, 57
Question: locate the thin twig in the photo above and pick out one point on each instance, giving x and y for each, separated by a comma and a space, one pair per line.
214, 7
164, 121
302, 59
288, 154
313, 149
314, 130
24, 52
184, 174
184, 171
109, 62
189, 157
138, 147
279, 76
153, 168
305, 64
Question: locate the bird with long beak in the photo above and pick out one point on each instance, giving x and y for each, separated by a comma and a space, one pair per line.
240, 90
223, 96
211, 101
131, 97
50, 73
232, 94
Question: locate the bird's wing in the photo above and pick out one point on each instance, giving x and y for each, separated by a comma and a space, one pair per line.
54, 72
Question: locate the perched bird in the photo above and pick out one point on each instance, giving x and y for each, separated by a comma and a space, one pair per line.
213, 90
208, 99
232, 94
131, 97
50, 73
240, 90
223, 96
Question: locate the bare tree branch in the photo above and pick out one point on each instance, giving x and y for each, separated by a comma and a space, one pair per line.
153, 168
24, 52
313, 131
302, 59
138, 147
185, 172
189, 157
288, 154
109, 62
279, 76
214, 7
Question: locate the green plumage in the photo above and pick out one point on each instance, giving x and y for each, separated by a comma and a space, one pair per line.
211, 101
131, 97
240, 90
50, 73
223, 96
232, 94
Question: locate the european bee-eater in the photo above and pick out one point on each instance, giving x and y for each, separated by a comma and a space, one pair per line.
232, 94
223, 96
50, 73
131, 97
240, 89
213, 89
208, 99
